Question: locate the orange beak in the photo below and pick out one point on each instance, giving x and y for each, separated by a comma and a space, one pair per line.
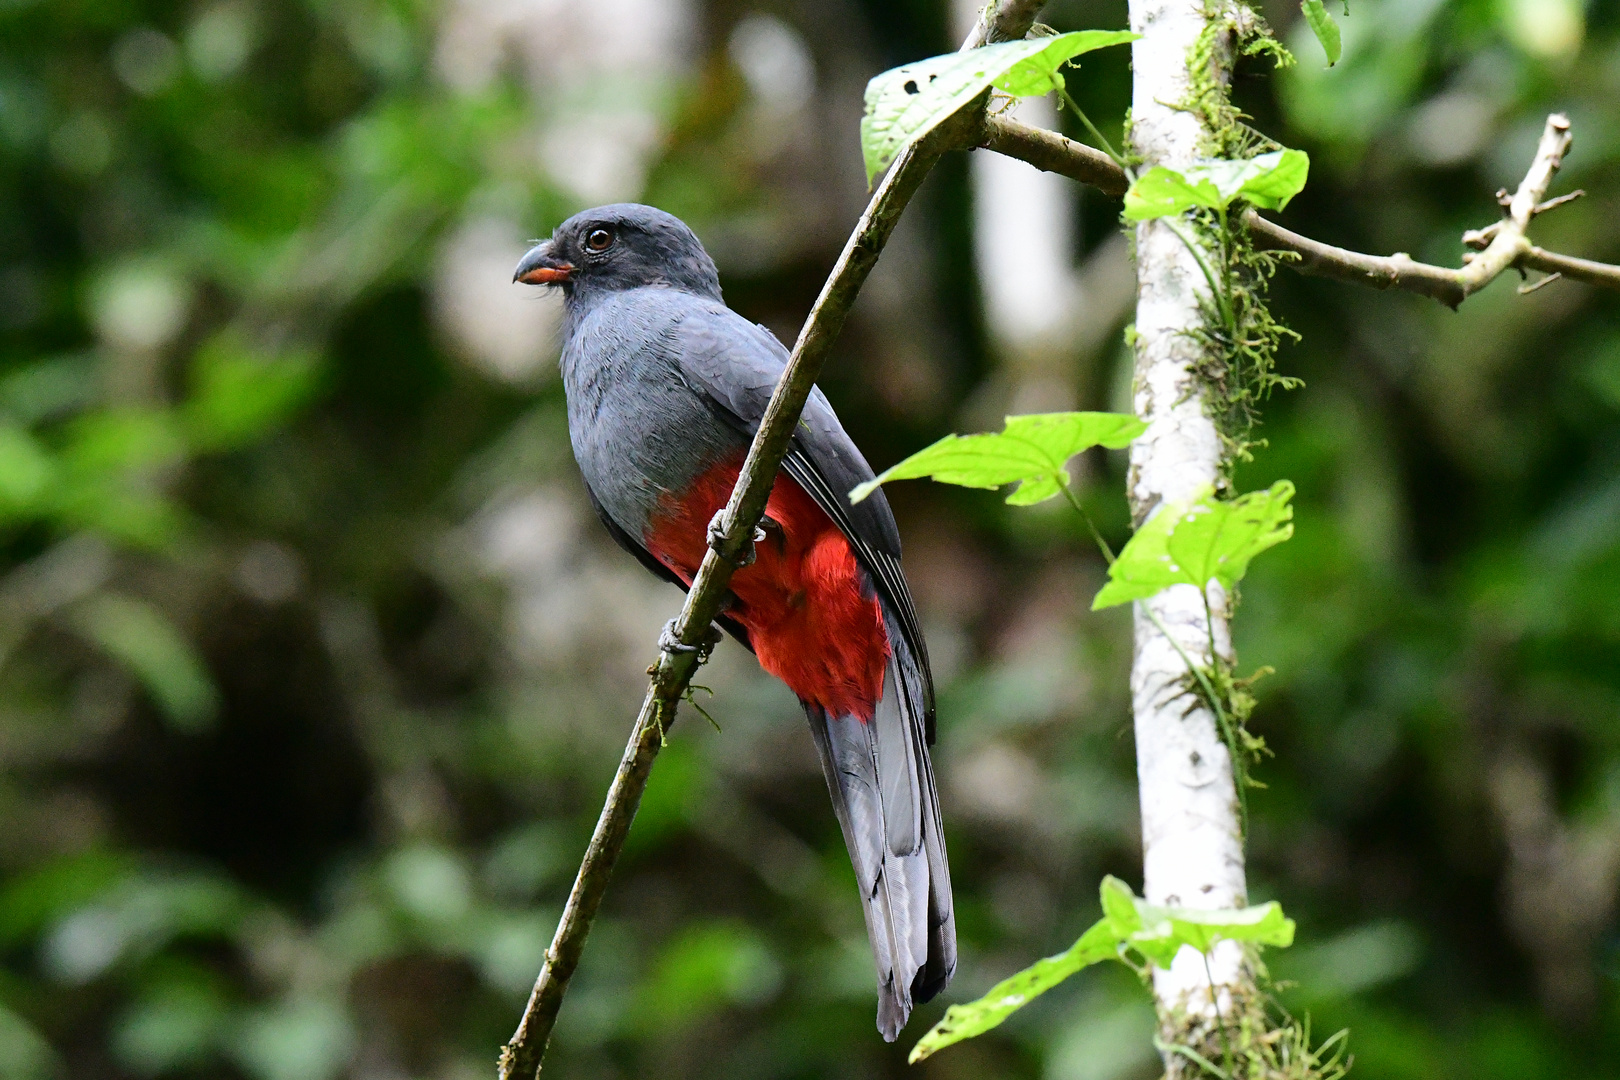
548, 275
539, 267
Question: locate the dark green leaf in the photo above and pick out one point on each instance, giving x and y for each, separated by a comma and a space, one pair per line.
1322, 25
1030, 450
907, 102
142, 639
1198, 542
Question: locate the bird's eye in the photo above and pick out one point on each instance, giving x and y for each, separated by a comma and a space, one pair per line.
599, 240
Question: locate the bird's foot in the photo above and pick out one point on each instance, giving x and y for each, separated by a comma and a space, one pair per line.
670, 642
717, 532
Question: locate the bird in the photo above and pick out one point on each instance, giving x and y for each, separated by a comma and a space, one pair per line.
665, 386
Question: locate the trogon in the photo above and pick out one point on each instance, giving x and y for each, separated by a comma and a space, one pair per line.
666, 385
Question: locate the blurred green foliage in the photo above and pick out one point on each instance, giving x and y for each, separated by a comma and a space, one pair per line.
314, 665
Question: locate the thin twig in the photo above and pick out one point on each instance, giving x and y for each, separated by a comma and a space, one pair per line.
669, 676
1510, 243
1593, 273
1504, 242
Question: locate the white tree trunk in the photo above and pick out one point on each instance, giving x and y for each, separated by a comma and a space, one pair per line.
1192, 844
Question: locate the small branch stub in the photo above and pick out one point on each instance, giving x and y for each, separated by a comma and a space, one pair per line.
1509, 245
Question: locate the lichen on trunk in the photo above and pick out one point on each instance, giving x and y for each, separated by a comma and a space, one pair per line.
1192, 831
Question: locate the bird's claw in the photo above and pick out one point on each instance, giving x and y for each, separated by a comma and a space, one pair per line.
717, 533
670, 642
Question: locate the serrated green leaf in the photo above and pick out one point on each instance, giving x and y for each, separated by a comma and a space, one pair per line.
1196, 542
1320, 20
1011, 994
907, 102
1030, 449
1268, 181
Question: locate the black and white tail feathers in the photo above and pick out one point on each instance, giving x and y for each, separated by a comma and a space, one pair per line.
882, 786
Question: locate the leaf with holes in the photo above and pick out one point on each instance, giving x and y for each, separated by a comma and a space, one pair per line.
1268, 181
1197, 542
1030, 451
1320, 20
907, 102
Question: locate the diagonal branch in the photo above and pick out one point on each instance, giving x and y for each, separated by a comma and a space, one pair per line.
1506, 245
671, 673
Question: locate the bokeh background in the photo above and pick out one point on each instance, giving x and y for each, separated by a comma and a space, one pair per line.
314, 663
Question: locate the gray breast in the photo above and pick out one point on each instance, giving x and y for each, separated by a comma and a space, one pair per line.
638, 430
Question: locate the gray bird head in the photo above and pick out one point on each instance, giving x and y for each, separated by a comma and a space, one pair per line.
623, 246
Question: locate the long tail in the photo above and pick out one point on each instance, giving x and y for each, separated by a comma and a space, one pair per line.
882, 786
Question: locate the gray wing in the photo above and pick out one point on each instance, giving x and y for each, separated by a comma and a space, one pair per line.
734, 365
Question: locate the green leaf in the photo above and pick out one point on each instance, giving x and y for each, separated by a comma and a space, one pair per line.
238, 395
706, 966
1128, 921
141, 638
907, 102
1162, 192
1119, 907
1166, 929
110, 443
1322, 25
1042, 72
1195, 542
1268, 181
1013, 993
1030, 450
1158, 933
1276, 178
26, 471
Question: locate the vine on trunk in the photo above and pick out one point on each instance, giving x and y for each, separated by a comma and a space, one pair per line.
1240, 335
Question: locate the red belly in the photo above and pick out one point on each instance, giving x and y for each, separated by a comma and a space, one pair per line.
814, 621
